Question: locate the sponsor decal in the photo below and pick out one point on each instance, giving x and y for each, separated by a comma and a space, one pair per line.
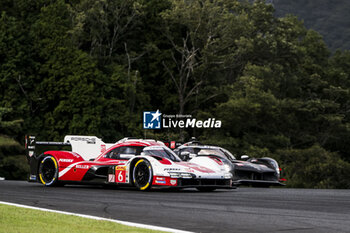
151, 120
66, 160
120, 174
172, 169
160, 182
32, 139
111, 178
157, 120
82, 166
172, 144
120, 168
86, 139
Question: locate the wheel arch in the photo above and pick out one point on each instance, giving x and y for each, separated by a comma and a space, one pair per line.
63, 159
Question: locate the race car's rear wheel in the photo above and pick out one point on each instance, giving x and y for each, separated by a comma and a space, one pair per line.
48, 171
143, 174
206, 189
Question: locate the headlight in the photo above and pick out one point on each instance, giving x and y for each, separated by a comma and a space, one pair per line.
227, 167
174, 175
186, 175
228, 176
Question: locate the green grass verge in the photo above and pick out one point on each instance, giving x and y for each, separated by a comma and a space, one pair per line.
22, 220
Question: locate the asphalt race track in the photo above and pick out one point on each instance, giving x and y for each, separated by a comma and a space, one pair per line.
238, 210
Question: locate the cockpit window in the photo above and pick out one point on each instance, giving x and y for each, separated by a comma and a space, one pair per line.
210, 152
160, 151
128, 150
124, 152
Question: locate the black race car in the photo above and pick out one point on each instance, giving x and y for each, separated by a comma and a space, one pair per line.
258, 172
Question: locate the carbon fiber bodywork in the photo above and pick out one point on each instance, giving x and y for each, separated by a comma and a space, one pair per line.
254, 171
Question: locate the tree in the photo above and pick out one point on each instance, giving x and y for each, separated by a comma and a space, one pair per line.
102, 27
13, 164
314, 167
192, 30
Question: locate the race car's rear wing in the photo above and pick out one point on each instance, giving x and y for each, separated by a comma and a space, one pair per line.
31, 143
88, 147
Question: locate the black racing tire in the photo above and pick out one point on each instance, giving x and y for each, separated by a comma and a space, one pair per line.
48, 171
206, 189
142, 175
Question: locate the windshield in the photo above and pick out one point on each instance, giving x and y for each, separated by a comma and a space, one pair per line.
228, 154
163, 152
213, 151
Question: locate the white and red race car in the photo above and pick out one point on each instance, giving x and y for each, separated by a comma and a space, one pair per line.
144, 164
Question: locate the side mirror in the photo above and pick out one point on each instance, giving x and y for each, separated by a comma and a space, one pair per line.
185, 155
244, 157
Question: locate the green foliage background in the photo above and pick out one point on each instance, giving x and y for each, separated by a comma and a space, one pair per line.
92, 68
329, 18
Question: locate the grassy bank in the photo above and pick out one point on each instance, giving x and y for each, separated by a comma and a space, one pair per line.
16, 219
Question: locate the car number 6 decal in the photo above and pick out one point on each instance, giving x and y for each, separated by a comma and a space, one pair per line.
120, 174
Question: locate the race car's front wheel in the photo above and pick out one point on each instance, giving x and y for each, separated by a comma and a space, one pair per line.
142, 175
48, 171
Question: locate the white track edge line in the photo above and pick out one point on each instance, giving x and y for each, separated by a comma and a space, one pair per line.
132, 224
